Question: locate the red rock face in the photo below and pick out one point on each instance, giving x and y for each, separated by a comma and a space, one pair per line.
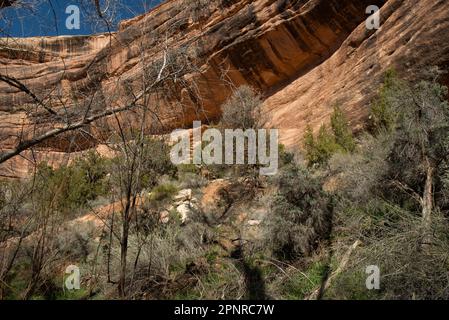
412, 38
303, 56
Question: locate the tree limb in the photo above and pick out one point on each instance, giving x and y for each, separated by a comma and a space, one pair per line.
24, 145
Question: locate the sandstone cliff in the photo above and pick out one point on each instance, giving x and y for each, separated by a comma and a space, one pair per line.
303, 56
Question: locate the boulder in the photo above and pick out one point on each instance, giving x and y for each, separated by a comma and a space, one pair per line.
183, 195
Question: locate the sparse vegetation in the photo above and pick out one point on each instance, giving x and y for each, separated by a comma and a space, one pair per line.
352, 191
139, 227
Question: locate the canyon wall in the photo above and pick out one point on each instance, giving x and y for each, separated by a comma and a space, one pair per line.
412, 38
303, 56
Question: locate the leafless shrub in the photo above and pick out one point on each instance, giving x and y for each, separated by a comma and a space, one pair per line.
391, 239
358, 175
242, 110
300, 217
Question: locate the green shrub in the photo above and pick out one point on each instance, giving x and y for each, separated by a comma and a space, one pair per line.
383, 115
163, 191
300, 284
350, 285
320, 150
71, 187
188, 168
341, 130
212, 255
285, 157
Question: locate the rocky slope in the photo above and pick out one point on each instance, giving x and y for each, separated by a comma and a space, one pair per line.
303, 55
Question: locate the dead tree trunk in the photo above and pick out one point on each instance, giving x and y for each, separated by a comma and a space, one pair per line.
124, 245
427, 205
